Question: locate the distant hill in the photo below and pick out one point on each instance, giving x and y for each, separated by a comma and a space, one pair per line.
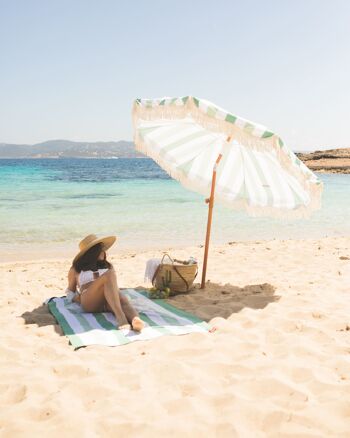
330, 161
70, 149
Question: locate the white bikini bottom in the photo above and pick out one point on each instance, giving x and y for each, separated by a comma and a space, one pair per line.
70, 295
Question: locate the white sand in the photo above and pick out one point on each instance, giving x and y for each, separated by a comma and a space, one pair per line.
278, 366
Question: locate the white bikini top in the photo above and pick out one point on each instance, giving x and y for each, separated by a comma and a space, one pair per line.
89, 276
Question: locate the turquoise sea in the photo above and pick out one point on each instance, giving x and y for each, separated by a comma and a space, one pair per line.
53, 203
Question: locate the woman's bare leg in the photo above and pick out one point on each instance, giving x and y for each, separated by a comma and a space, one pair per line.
131, 314
113, 299
104, 288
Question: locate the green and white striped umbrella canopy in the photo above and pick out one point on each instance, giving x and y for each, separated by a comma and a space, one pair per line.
257, 172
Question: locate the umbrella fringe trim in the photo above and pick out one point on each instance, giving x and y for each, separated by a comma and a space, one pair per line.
301, 212
288, 160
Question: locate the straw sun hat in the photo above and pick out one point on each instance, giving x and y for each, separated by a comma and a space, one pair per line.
92, 240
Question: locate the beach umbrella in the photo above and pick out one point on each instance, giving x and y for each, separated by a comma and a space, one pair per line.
216, 153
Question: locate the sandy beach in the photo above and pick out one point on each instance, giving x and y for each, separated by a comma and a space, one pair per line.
278, 365
140, 129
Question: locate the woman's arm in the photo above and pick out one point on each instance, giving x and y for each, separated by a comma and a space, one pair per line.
72, 280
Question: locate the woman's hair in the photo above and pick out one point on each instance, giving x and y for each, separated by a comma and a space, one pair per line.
89, 260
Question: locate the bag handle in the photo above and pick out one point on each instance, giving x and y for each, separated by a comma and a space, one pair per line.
160, 264
176, 270
166, 255
178, 273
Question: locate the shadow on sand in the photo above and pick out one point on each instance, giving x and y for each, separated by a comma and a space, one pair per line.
224, 299
41, 317
214, 300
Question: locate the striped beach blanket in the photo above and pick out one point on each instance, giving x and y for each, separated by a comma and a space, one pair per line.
160, 319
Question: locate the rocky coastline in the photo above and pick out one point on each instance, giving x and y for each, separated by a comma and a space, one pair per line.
328, 161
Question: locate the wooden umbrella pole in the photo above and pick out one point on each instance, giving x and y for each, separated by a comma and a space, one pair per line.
210, 215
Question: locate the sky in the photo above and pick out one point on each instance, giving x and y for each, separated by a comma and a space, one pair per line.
70, 69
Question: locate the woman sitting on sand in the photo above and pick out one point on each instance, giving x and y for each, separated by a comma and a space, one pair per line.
92, 283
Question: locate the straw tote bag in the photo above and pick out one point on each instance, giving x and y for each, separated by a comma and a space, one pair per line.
177, 275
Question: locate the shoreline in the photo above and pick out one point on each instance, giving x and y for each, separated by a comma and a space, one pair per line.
66, 251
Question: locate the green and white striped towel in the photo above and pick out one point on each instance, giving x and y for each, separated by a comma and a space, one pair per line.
160, 319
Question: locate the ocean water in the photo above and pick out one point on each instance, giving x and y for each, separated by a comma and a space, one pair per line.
47, 203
